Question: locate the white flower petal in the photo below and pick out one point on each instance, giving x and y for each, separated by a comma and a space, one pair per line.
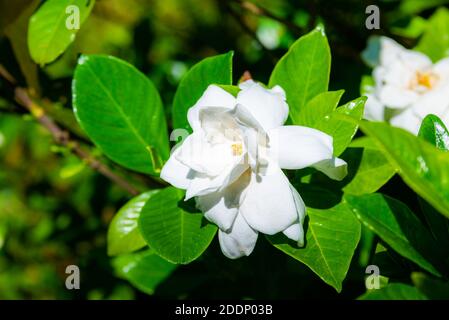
240, 241
199, 154
217, 209
221, 207
297, 147
334, 168
407, 120
374, 110
201, 184
268, 205
267, 106
176, 173
441, 69
396, 97
214, 96
391, 52
434, 102
296, 231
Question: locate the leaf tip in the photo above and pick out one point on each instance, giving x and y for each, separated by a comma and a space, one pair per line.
83, 59
320, 28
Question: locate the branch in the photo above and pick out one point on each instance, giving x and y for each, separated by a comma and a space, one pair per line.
62, 137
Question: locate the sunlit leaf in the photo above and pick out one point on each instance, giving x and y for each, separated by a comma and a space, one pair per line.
121, 111
331, 238
175, 231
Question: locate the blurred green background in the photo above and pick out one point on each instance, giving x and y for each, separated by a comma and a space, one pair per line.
54, 210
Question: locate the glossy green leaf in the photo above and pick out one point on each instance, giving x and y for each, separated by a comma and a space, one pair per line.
394, 291
318, 108
366, 85
395, 224
175, 231
337, 125
121, 111
435, 40
123, 233
435, 289
434, 131
369, 169
331, 238
303, 72
52, 27
424, 168
144, 270
212, 70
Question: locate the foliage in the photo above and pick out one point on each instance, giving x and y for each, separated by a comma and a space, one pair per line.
119, 87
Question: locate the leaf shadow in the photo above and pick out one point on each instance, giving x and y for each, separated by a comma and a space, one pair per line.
189, 207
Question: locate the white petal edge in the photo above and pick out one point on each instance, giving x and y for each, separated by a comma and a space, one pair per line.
296, 231
268, 205
176, 173
297, 147
240, 241
267, 106
334, 168
214, 96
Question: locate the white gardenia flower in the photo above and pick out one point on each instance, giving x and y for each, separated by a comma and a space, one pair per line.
408, 86
232, 162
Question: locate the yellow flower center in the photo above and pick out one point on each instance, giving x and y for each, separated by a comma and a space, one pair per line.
237, 149
426, 79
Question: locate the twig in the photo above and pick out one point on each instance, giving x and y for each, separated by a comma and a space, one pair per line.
62, 137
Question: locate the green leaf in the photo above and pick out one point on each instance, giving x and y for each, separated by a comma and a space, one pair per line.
438, 224
144, 270
121, 111
395, 224
318, 108
212, 70
413, 29
434, 289
339, 127
394, 291
234, 90
303, 72
369, 169
434, 131
331, 238
435, 40
123, 232
411, 7
424, 168
175, 231
366, 85
48, 34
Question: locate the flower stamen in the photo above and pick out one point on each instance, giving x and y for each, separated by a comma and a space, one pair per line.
237, 149
424, 80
